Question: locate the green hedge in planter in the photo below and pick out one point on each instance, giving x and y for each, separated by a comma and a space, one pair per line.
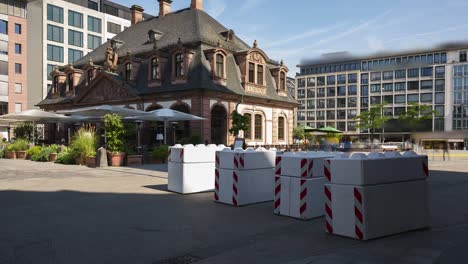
66, 157
33, 151
160, 153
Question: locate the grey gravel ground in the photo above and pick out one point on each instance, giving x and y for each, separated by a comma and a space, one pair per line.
52, 213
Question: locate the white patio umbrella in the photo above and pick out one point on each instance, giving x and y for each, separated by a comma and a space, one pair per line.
102, 110
165, 115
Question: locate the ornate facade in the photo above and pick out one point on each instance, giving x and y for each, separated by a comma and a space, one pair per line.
187, 61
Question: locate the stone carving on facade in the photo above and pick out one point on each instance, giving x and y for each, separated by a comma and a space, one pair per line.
111, 60
106, 90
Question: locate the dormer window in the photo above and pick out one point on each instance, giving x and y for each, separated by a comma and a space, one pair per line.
219, 65
282, 81
260, 74
154, 69
179, 65
70, 82
251, 72
128, 71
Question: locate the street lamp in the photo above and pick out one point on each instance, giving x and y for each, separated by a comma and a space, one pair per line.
138, 125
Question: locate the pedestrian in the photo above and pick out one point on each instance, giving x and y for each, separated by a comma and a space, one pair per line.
445, 147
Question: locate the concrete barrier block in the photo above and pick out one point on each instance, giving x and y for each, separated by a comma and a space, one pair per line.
303, 165
248, 159
367, 212
186, 178
193, 154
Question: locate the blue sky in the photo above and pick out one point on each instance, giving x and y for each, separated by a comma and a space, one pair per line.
293, 30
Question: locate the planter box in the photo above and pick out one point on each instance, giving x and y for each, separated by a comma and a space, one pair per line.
91, 162
135, 160
10, 154
53, 157
21, 154
116, 159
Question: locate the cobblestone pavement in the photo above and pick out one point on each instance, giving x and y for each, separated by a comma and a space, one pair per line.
70, 214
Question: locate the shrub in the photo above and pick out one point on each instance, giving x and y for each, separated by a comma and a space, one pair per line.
33, 151
84, 143
43, 156
161, 153
1, 153
65, 157
115, 132
25, 130
55, 148
21, 144
10, 147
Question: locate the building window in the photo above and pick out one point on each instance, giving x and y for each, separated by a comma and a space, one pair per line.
426, 98
364, 90
440, 72
426, 72
352, 78
281, 127
54, 33
50, 68
3, 27
93, 42
70, 82
331, 80
113, 28
331, 91
3, 88
364, 102
75, 19
17, 28
258, 127
252, 74
154, 68
352, 101
18, 88
364, 78
376, 76
259, 74
376, 100
54, 53
3, 47
320, 80
352, 90
283, 81
341, 102
400, 74
400, 99
18, 48
94, 24
401, 86
341, 79
375, 88
388, 87
179, 65
3, 67
54, 13
413, 73
74, 55
413, 98
463, 56
388, 75
219, 65
426, 85
18, 68
75, 38
128, 71
18, 107
92, 5
341, 91
440, 85
111, 10
413, 85
311, 104
388, 99
440, 98
443, 57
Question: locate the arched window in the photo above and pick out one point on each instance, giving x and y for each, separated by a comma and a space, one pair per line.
258, 127
251, 72
179, 65
248, 132
70, 82
154, 68
282, 81
220, 65
260, 74
281, 128
128, 71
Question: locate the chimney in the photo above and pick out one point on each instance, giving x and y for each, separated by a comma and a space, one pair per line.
137, 14
197, 4
164, 7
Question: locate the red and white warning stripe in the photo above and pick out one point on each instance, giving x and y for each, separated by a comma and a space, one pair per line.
359, 217
310, 168
304, 168
277, 194
169, 155
217, 160
328, 210
278, 165
425, 166
235, 191
327, 170
303, 199
216, 193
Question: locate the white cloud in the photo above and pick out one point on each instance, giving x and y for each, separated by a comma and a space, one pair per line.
375, 44
215, 8
250, 4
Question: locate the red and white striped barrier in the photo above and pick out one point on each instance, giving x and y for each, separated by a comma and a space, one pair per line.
249, 159
243, 187
304, 165
191, 168
300, 198
367, 212
277, 201
376, 168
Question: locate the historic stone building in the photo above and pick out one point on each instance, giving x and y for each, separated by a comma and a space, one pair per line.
187, 61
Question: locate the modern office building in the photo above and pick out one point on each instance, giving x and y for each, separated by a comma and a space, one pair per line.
13, 52
66, 30
335, 88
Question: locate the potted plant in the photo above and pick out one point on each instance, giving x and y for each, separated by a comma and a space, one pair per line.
10, 151
160, 154
33, 151
21, 145
54, 154
133, 158
83, 144
91, 159
43, 155
115, 133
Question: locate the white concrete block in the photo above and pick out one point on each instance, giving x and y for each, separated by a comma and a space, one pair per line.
367, 212
303, 165
248, 159
242, 187
188, 178
376, 169
193, 154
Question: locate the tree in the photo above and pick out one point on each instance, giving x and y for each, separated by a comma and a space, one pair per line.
115, 132
298, 132
373, 119
415, 115
238, 122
